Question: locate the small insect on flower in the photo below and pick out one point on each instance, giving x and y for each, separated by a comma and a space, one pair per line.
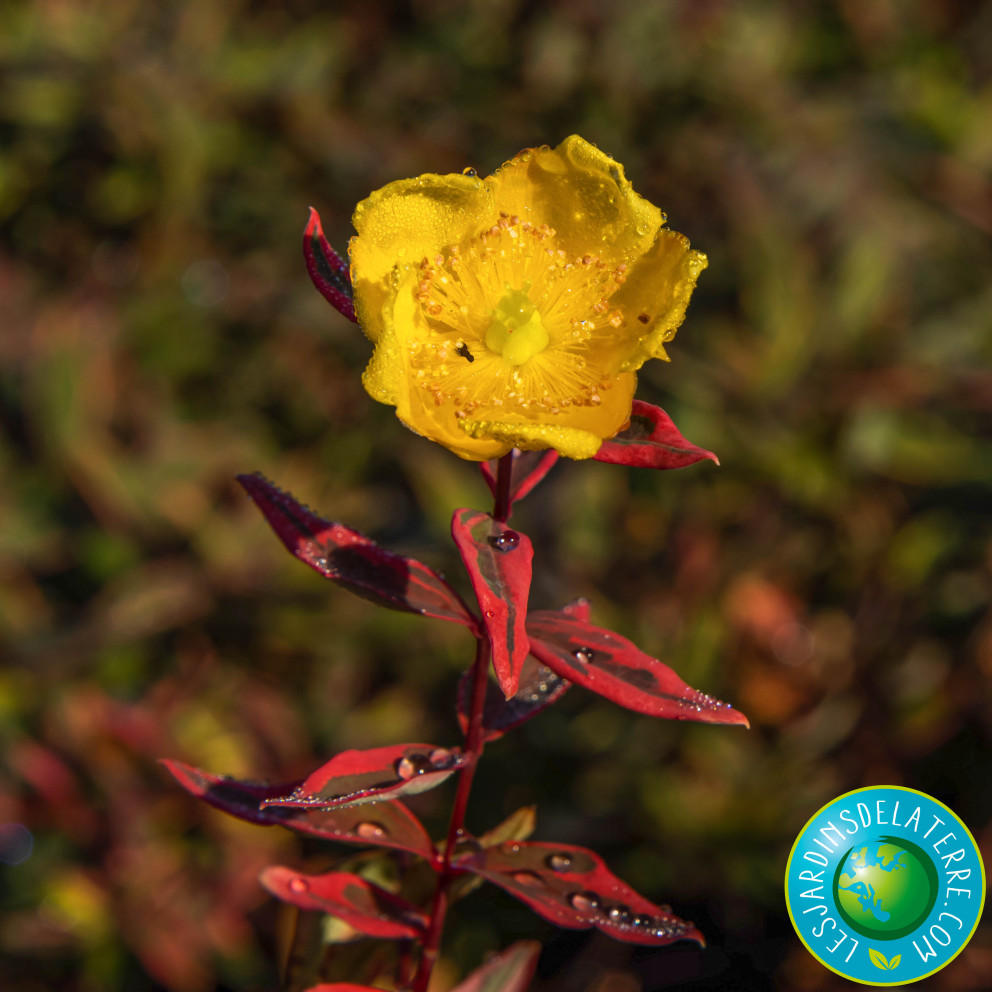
514, 311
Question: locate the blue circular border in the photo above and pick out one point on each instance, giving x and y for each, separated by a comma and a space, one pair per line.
901, 812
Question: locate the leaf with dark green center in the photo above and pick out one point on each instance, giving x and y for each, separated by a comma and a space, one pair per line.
509, 971
608, 664
391, 825
527, 469
538, 688
572, 887
498, 561
362, 905
328, 271
355, 561
651, 441
517, 826
355, 777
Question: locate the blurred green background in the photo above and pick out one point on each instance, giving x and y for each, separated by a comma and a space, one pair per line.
158, 334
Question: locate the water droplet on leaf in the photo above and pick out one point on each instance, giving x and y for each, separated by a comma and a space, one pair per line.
370, 830
559, 862
619, 914
584, 902
440, 757
411, 766
506, 541
529, 878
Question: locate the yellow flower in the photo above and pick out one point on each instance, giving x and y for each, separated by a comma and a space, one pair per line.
514, 311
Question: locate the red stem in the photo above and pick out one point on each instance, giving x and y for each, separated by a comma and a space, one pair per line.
474, 745
503, 505
473, 748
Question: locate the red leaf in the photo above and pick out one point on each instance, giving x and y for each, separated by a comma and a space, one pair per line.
354, 777
328, 271
353, 560
391, 825
610, 665
539, 687
651, 441
509, 971
528, 469
571, 887
499, 564
360, 904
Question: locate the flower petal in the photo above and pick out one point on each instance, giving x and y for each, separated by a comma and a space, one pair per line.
583, 194
567, 441
404, 222
656, 294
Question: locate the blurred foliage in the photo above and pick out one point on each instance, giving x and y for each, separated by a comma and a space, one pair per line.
158, 335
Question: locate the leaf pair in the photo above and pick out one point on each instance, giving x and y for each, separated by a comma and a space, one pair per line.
498, 560
879, 960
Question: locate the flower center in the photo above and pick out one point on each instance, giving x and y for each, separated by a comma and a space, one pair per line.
516, 332
516, 326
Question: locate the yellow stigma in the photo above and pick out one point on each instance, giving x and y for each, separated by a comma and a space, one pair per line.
516, 331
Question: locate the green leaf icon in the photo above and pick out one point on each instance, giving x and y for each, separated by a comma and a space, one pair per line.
894, 963
878, 959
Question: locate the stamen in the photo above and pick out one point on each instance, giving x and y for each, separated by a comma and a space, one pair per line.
523, 314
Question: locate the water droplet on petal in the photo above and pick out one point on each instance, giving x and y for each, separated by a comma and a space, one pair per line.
584, 902
490, 613
298, 884
469, 171
512, 847
369, 830
643, 921
506, 541
529, 878
584, 656
559, 862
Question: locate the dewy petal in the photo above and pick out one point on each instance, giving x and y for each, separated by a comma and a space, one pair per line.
568, 441
656, 294
405, 222
583, 195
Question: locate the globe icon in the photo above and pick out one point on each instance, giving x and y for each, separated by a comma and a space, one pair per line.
885, 888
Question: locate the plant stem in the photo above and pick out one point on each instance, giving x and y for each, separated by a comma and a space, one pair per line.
474, 745
504, 473
473, 749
